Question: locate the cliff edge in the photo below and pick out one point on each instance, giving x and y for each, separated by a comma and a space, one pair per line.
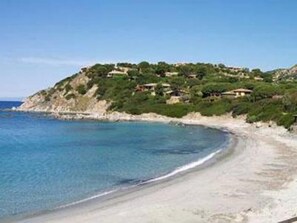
68, 95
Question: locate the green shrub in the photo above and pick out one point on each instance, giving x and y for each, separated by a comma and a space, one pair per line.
251, 119
68, 88
81, 89
219, 107
263, 91
175, 111
216, 88
241, 108
69, 96
286, 120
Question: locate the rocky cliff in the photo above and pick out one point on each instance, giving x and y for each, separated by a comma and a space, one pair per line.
286, 74
69, 95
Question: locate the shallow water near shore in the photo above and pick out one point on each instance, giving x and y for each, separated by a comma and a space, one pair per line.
46, 163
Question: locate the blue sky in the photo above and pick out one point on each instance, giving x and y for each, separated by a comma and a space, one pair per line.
43, 41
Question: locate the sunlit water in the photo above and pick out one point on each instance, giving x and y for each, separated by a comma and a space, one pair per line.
46, 163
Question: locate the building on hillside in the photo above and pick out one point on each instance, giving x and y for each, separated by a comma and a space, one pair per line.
151, 87
175, 93
192, 76
180, 64
229, 94
258, 78
238, 75
215, 94
241, 92
178, 96
119, 71
171, 74
166, 87
235, 69
124, 69
116, 73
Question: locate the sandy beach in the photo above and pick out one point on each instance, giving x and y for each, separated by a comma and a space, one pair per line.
255, 182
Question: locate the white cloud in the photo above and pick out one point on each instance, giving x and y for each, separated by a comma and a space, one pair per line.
56, 61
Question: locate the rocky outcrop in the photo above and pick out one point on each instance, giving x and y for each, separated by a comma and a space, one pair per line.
69, 95
286, 74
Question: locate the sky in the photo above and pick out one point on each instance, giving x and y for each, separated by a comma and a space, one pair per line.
43, 41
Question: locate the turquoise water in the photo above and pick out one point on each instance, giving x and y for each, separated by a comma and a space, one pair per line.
46, 163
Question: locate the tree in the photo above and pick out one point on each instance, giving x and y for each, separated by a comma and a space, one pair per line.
177, 83
143, 65
68, 88
185, 70
221, 66
161, 68
210, 89
133, 73
201, 72
265, 91
196, 92
290, 102
257, 72
100, 70
125, 65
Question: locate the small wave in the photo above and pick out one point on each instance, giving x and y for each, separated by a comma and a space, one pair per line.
186, 167
86, 199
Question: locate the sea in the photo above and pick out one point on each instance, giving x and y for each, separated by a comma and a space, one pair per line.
46, 163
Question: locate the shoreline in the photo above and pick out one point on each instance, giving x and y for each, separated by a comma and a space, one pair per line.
197, 165
220, 153
245, 201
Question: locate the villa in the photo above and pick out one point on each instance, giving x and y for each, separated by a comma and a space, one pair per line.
192, 76
241, 92
152, 88
119, 71
258, 78
116, 73
177, 96
171, 74
228, 94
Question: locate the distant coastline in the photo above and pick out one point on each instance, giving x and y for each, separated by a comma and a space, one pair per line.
13, 99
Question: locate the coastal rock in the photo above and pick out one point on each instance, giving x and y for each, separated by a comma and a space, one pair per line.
65, 97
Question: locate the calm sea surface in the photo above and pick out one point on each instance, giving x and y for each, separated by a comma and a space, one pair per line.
46, 163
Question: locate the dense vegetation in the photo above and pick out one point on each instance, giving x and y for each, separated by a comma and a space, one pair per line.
201, 84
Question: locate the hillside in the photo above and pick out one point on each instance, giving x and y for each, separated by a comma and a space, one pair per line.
66, 96
173, 90
285, 74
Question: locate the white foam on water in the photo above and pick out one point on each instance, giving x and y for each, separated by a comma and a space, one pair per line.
186, 167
